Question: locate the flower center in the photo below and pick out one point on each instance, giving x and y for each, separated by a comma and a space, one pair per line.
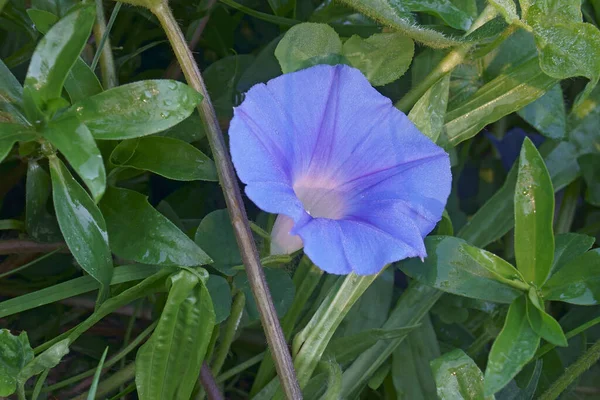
320, 198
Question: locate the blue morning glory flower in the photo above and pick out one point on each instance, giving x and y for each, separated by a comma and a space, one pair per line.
353, 180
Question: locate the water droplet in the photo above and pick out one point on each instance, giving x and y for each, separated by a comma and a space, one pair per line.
168, 102
165, 114
172, 85
79, 109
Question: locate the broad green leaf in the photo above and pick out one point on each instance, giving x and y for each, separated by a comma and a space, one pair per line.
189, 130
74, 140
15, 353
82, 226
215, 234
507, 8
542, 323
547, 114
347, 348
308, 44
382, 57
53, 58
280, 285
590, 169
137, 109
504, 95
568, 246
171, 158
220, 293
429, 112
40, 224
411, 374
456, 267
387, 13
46, 360
513, 348
12, 133
578, 282
140, 233
443, 9
96, 380
534, 215
168, 365
73, 287
56, 7
458, 377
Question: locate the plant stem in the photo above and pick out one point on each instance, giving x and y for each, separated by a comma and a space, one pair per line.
209, 383
451, 61
107, 61
240, 367
568, 207
237, 310
18, 246
113, 382
29, 264
589, 358
235, 205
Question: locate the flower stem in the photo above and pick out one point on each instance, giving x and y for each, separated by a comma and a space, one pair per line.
235, 205
589, 358
104, 50
451, 61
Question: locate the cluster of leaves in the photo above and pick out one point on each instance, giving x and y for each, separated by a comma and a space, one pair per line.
111, 191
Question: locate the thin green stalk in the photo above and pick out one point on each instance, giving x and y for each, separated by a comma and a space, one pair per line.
568, 207
448, 63
479, 343
113, 382
240, 368
306, 279
129, 389
109, 364
104, 50
237, 310
589, 358
580, 329
412, 306
39, 384
235, 205
29, 264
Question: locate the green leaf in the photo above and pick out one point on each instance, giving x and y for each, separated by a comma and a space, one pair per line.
534, 215
48, 359
308, 44
280, 285
542, 323
73, 287
429, 112
443, 9
382, 57
82, 226
137, 109
504, 95
578, 282
82, 82
514, 347
77, 144
41, 225
140, 233
168, 365
96, 379
53, 58
215, 234
452, 265
12, 133
221, 79
43, 20
171, 158
220, 293
590, 169
507, 8
345, 349
387, 13
11, 97
547, 114
458, 377
568, 246
15, 353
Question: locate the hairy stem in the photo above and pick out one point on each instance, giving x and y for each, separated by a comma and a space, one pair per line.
235, 205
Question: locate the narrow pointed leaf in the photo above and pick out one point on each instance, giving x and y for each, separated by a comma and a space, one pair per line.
140, 233
577, 282
77, 144
137, 109
171, 158
547, 114
568, 246
12, 133
514, 347
40, 224
429, 112
11, 97
543, 323
534, 215
82, 225
54, 56
96, 380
